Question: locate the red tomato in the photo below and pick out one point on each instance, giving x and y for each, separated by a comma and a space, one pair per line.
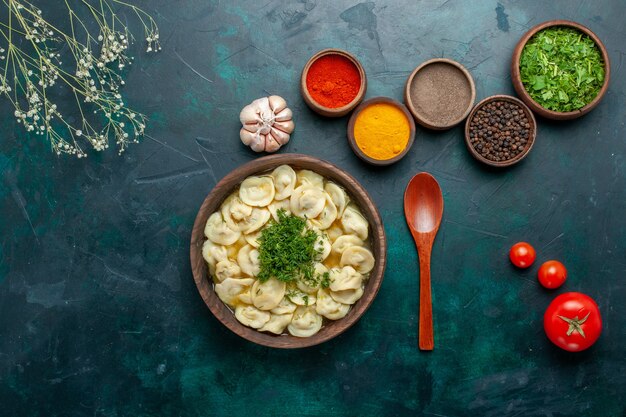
552, 274
572, 321
522, 255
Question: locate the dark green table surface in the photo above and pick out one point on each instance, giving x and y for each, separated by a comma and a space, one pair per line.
99, 314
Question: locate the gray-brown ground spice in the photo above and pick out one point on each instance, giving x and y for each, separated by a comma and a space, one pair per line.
499, 131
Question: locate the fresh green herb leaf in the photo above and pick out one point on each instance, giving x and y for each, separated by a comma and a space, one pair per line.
287, 249
562, 69
325, 281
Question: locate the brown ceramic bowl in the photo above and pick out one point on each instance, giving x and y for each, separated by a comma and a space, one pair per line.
526, 98
531, 136
440, 81
328, 111
357, 194
352, 140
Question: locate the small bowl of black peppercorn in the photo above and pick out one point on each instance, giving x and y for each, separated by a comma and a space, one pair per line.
500, 131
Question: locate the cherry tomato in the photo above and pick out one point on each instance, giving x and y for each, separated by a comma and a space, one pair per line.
552, 274
522, 255
572, 321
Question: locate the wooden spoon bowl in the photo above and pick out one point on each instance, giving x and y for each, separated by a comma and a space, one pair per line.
356, 193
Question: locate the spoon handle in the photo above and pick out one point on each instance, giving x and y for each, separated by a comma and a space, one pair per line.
426, 337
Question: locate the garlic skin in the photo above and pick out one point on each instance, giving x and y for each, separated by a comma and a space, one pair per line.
267, 124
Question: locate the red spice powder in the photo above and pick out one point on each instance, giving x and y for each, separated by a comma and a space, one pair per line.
333, 81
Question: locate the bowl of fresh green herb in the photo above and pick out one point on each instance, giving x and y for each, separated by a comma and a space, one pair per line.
271, 275
560, 69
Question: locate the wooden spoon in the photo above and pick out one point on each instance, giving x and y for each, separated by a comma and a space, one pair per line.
423, 208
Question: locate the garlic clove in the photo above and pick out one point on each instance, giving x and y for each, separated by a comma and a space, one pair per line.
286, 126
279, 136
277, 103
284, 115
246, 136
258, 143
271, 144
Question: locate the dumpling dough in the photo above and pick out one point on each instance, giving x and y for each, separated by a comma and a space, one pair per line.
284, 307
267, 295
218, 231
307, 201
227, 269
248, 259
328, 215
353, 222
304, 176
305, 323
255, 220
257, 191
253, 238
284, 181
347, 296
212, 254
277, 323
235, 211
277, 205
301, 298
326, 306
229, 289
251, 316
311, 286
334, 233
344, 242
359, 257
322, 246
345, 278
338, 197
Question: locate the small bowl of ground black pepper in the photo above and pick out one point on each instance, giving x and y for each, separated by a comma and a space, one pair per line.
333, 82
500, 131
560, 69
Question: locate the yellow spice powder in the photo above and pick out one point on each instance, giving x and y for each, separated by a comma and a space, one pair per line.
381, 131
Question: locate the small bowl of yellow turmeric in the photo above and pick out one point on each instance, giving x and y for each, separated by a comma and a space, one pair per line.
381, 131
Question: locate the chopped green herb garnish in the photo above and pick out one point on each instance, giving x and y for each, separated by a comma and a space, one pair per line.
562, 69
287, 249
325, 280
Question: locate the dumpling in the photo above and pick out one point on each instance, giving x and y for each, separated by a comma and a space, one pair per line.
267, 295
212, 254
328, 215
246, 296
311, 286
227, 269
305, 176
251, 316
359, 257
278, 205
345, 278
347, 296
277, 323
218, 231
301, 298
234, 211
305, 323
353, 222
257, 191
344, 242
334, 233
326, 306
252, 239
284, 181
307, 201
322, 246
248, 259
338, 196
229, 289
284, 307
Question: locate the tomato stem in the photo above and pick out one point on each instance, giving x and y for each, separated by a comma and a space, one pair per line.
575, 324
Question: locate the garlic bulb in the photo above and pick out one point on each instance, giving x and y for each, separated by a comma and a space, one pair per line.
267, 123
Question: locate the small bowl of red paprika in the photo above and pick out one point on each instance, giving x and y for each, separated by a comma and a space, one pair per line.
333, 82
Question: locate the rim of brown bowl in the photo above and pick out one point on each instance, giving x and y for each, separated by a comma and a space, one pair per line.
264, 164
329, 111
352, 140
431, 124
531, 137
526, 98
